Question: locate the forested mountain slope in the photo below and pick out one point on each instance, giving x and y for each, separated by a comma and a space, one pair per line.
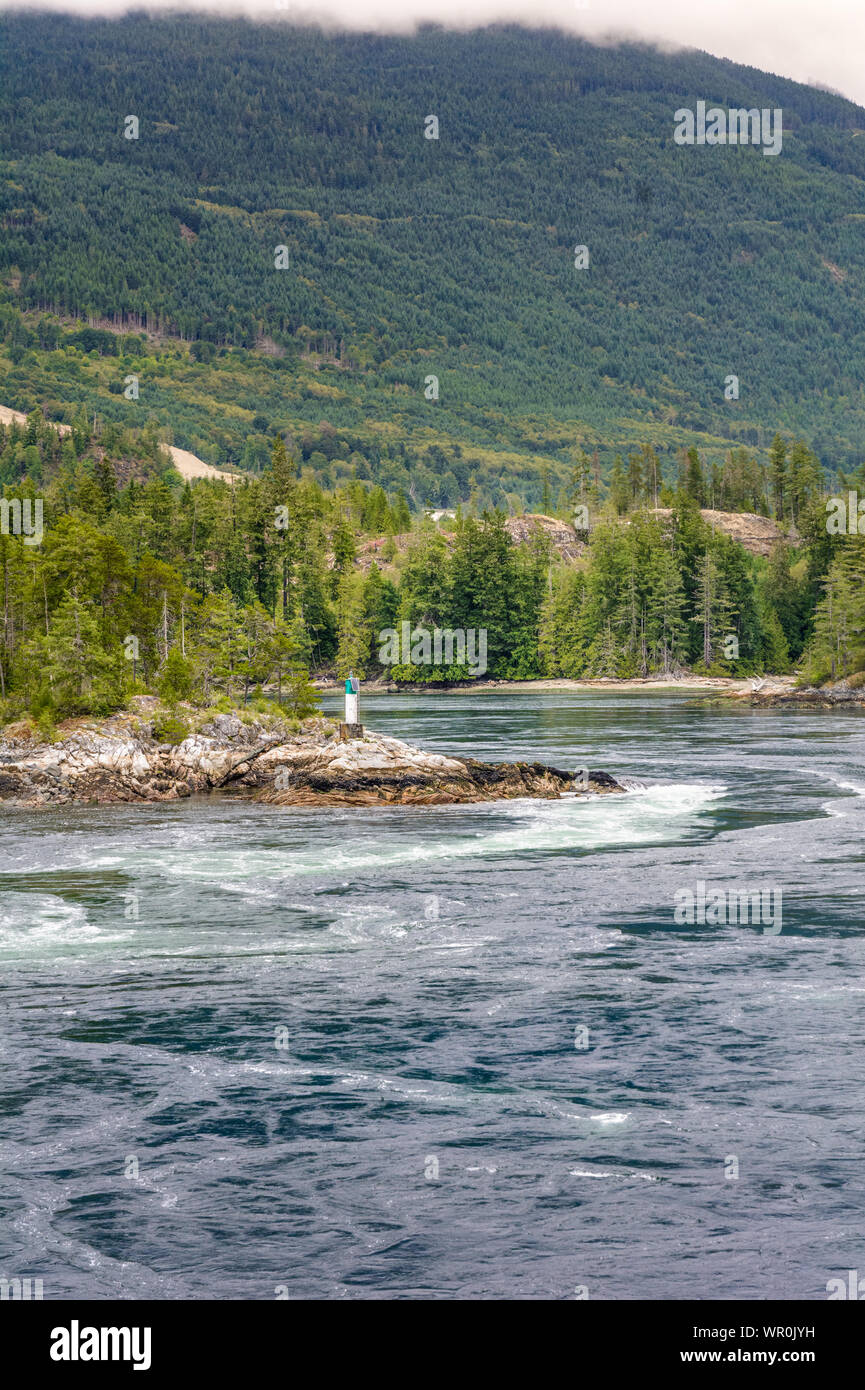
410, 257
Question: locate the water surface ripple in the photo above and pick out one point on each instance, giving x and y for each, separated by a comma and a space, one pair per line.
331, 1053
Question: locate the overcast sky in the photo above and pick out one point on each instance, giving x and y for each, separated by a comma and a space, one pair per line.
820, 43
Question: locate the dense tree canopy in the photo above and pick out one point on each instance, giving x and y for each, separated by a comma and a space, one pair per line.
407, 257
236, 238
111, 586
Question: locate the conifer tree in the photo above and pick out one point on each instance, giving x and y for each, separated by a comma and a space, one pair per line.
712, 607
353, 633
619, 492
778, 475
665, 611
81, 675
695, 483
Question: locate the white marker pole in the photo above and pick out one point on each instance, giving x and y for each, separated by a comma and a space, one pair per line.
352, 697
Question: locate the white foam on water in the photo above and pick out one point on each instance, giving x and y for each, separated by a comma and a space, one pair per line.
846, 784
360, 926
456, 945
658, 813
586, 1173
42, 921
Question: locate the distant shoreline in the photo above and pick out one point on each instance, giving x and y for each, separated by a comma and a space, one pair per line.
724, 684
754, 691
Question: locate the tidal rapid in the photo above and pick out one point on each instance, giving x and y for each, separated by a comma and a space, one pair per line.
255, 1051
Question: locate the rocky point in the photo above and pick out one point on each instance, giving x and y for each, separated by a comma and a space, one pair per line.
120, 760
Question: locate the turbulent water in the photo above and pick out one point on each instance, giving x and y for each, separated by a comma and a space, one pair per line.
254, 1052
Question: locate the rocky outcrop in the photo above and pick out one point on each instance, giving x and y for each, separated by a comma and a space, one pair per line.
758, 534
567, 543
813, 697
564, 539
378, 769
118, 760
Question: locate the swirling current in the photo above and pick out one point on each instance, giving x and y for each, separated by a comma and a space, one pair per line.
250, 1052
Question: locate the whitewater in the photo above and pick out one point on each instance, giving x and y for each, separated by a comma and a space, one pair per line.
448, 1052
